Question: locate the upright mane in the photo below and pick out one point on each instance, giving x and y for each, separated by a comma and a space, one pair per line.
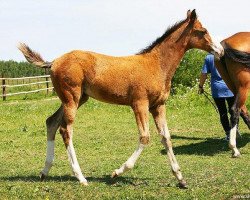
159, 40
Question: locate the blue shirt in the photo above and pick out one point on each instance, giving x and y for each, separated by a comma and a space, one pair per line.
218, 86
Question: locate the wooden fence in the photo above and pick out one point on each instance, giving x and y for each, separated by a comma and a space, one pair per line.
42, 82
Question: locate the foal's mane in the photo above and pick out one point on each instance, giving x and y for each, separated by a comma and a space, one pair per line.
159, 40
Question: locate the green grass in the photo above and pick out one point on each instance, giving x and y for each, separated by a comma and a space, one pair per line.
104, 137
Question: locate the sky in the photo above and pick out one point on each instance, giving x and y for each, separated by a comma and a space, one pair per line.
113, 27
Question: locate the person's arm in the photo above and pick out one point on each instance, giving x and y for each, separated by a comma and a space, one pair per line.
203, 78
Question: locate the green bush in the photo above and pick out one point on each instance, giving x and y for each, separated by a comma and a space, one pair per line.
188, 72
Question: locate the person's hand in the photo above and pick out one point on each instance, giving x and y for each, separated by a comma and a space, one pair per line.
200, 90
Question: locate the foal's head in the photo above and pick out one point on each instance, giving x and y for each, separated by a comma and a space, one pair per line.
200, 37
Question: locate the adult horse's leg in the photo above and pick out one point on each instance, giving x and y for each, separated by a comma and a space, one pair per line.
52, 124
159, 115
245, 116
238, 104
141, 114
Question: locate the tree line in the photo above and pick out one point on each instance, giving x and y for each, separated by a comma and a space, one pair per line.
15, 69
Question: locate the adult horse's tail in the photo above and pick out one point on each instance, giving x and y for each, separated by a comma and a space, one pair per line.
33, 57
236, 55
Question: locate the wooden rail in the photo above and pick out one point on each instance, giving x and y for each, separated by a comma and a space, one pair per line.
5, 86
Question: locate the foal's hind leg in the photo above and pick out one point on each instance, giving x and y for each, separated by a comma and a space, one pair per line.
52, 124
141, 115
159, 115
66, 130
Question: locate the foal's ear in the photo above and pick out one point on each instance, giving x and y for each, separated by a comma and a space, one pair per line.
193, 16
188, 13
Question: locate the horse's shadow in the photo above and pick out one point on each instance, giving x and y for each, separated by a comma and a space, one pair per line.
118, 181
208, 147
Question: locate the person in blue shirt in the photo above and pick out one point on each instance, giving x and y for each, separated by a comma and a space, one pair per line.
220, 92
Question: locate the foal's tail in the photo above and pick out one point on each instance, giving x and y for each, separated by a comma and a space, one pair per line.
33, 57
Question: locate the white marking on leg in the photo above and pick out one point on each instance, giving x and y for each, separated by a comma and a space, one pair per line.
232, 139
232, 142
168, 145
74, 163
129, 164
49, 157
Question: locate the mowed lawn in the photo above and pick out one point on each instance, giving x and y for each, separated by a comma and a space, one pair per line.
104, 137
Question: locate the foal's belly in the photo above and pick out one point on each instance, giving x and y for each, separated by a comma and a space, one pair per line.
107, 95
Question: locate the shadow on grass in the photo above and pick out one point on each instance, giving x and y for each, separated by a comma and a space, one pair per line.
118, 181
208, 147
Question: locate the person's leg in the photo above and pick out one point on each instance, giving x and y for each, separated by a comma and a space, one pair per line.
221, 105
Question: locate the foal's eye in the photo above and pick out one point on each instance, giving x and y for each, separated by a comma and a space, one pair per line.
203, 31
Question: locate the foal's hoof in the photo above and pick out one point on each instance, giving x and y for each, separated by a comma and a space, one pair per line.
182, 185
114, 175
236, 155
84, 183
42, 176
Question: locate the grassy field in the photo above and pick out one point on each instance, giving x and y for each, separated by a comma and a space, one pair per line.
105, 136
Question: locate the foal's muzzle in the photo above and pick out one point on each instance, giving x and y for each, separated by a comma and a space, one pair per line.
217, 50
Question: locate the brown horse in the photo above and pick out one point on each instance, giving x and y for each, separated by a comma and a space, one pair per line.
234, 68
141, 81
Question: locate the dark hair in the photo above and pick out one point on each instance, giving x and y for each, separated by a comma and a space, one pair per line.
159, 40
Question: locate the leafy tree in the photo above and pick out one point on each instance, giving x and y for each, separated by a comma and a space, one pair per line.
188, 72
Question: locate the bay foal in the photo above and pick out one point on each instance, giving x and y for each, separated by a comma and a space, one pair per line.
234, 68
141, 81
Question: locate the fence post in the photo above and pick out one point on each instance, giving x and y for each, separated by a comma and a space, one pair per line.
47, 79
4, 88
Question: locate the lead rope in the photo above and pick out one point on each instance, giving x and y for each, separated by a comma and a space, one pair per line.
206, 95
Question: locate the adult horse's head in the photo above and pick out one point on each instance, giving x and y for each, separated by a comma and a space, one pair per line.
200, 37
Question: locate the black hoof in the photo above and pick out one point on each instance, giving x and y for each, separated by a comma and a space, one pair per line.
42, 177
182, 185
114, 175
235, 155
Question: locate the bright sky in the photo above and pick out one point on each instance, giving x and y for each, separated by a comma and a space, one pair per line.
114, 27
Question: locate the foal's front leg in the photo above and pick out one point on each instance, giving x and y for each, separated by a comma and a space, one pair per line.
141, 114
159, 115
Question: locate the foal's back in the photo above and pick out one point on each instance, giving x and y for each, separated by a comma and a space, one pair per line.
106, 78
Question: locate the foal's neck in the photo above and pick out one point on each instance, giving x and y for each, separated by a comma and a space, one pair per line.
172, 49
